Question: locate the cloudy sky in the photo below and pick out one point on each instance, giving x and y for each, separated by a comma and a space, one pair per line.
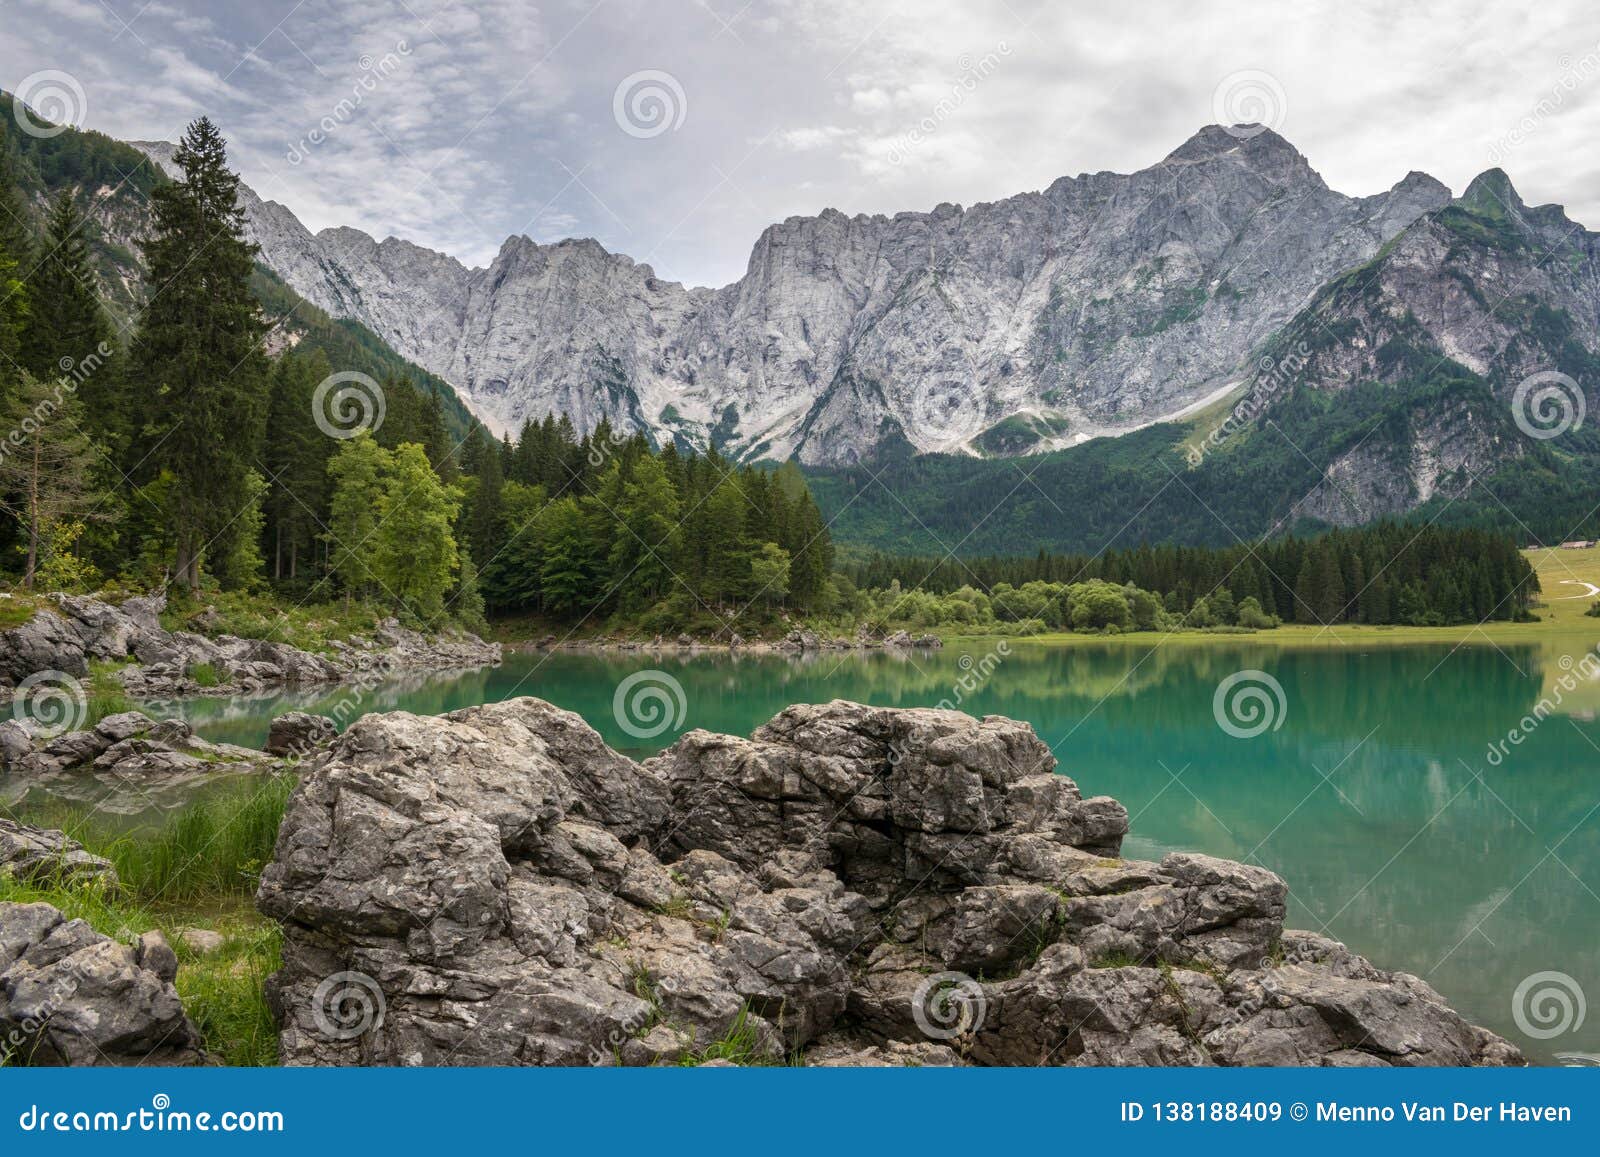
674, 130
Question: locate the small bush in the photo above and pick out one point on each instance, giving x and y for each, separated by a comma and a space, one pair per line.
205, 674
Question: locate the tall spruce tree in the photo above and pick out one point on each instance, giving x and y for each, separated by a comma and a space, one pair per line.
197, 356
66, 324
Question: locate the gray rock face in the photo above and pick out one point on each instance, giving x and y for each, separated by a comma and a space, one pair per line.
124, 764
858, 885
87, 628
1458, 290
299, 733
1098, 305
31, 853
70, 996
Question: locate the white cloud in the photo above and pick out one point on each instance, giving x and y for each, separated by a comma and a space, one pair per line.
499, 118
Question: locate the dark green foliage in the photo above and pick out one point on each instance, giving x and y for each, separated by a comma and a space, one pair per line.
1386, 573
198, 350
605, 524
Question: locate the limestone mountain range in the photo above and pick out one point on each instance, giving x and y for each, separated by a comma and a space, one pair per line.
1100, 305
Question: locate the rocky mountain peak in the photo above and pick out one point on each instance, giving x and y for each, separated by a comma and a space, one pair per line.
1254, 146
1105, 303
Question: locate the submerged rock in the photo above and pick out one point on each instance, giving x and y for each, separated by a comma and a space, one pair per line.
851, 884
70, 996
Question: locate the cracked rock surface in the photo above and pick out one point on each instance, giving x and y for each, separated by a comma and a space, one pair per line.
849, 885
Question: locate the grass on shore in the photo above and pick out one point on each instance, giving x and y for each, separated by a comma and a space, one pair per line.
197, 870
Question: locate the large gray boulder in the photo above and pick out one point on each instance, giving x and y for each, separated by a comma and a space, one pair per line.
46, 642
851, 884
70, 996
299, 733
47, 855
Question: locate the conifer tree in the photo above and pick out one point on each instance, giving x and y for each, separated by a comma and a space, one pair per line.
46, 464
198, 354
66, 324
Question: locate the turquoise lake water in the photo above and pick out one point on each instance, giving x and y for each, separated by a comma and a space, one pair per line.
1372, 786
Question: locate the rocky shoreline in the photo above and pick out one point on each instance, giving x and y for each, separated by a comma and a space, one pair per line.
850, 885
82, 628
795, 642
